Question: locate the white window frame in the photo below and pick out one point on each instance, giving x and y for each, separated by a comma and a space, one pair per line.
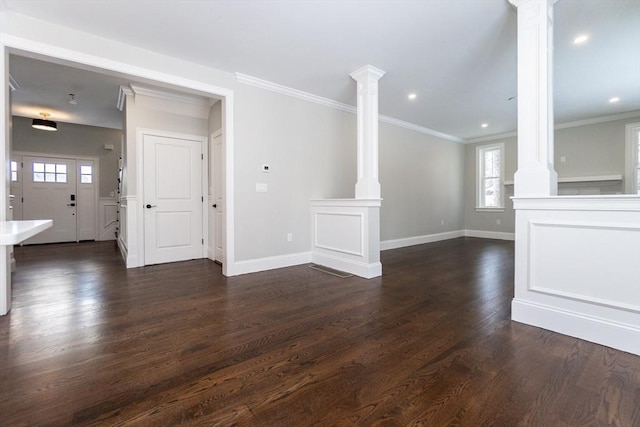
631, 156
480, 149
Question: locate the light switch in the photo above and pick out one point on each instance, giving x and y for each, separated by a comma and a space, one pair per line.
261, 187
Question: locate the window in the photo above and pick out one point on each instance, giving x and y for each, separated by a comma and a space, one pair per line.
86, 174
49, 172
632, 177
14, 171
490, 160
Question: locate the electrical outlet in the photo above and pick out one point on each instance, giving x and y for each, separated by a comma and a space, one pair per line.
442, 222
289, 237
563, 159
498, 221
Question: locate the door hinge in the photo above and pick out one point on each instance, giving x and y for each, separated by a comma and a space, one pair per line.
203, 241
202, 199
22, 199
201, 156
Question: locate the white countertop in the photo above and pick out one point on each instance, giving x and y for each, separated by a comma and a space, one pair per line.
14, 232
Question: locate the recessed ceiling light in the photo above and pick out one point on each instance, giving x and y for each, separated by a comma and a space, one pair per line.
412, 96
484, 125
581, 39
614, 100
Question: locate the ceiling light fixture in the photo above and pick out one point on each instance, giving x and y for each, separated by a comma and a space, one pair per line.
614, 100
484, 125
44, 124
412, 96
581, 39
73, 100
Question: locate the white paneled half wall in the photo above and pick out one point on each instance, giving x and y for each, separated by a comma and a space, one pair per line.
578, 267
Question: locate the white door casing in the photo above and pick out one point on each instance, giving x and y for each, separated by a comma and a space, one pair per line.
218, 197
172, 202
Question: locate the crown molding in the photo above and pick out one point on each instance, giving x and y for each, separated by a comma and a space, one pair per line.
295, 93
122, 95
13, 84
600, 119
566, 125
420, 129
170, 96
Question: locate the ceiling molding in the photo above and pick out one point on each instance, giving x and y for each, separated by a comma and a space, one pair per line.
566, 125
601, 119
13, 84
122, 95
170, 96
295, 93
491, 137
420, 129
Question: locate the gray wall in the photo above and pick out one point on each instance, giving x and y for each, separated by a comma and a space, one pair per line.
311, 151
422, 183
71, 139
589, 150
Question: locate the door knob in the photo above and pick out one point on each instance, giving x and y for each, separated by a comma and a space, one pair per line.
214, 205
151, 206
71, 204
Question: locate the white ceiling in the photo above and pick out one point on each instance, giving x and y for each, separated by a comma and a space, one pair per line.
458, 56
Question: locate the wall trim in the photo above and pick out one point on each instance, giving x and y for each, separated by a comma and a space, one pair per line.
271, 263
590, 328
420, 240
499, 235
367, 271
306, 96
572, 124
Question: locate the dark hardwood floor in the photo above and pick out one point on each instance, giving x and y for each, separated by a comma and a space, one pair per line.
430, 343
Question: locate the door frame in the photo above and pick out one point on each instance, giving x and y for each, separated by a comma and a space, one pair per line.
108, 63
96, 174
203, 140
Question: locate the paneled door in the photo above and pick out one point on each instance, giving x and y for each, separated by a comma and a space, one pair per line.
49, 192
173, 199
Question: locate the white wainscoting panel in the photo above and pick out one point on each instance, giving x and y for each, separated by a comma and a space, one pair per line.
577, 267
107, 218
340, 232
346, 235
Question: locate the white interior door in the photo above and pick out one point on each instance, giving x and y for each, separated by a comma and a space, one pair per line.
218, 205
173, 199
49, 192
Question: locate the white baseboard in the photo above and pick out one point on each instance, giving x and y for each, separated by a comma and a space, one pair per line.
368, 271
271, 263
490, 234
419, 240
600, 331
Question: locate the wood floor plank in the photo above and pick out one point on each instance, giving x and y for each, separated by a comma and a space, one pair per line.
431, 343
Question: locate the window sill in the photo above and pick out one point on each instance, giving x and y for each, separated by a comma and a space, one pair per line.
489, 209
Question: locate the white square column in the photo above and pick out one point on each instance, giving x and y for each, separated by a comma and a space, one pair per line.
367, 186
536, 175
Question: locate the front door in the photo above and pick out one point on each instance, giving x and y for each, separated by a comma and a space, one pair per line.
173, 199
49, 192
